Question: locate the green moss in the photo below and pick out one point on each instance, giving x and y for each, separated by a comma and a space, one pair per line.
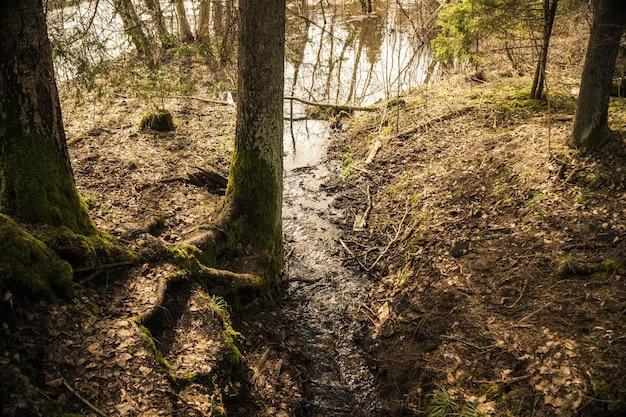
28, 268
231, 338
37, 185
593, 181
252, 210
594, 138
163, 365
160, 120
600, 272
83, 252
613, 392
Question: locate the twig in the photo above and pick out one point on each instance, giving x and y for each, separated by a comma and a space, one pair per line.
503, 381
361, 221
534, 312
83, 399
352, 254
393, 240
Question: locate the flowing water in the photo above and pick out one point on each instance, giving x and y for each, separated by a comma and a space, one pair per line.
346, 58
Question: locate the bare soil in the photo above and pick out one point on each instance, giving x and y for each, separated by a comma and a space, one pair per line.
496, 254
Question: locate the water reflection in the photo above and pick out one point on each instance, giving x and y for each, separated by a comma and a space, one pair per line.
335, 54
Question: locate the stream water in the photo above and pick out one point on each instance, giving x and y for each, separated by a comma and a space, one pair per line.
352, 59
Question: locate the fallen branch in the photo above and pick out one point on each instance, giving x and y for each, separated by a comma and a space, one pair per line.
450, 115
375, 147
360, 223
83, 399
337, 107
393, 240
204, 100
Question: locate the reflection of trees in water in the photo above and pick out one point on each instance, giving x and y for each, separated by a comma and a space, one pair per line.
348, 57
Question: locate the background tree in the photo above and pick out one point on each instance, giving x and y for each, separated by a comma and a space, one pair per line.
183, 22
253, 201
549, 14
154, 8
591, 122
133, 26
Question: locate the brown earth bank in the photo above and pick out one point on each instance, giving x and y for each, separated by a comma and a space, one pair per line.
497, 256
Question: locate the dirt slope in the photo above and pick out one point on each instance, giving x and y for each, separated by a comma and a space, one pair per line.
500, 254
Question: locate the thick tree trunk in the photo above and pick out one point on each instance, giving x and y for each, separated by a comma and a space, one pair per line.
183, 22
254, 194
549, 11
591, 123
36, 180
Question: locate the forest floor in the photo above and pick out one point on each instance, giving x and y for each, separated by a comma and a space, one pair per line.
496, 255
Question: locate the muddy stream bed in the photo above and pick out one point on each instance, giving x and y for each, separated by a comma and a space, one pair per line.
323, 299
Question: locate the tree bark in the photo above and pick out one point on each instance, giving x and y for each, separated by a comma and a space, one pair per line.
133, 26
183, 22
253, 201
549, 11
203, 32
36, 180
591, 122
154, 8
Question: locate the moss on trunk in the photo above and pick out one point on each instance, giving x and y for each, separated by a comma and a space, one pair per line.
29, 270
37, 186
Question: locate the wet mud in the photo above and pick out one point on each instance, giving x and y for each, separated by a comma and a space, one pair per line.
323, 300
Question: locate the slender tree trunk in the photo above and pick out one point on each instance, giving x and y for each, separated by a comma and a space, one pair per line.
133, 26
549, 11
154, 7
229, 31
203, 32
254, 194
183, 22
591, 122
36, 180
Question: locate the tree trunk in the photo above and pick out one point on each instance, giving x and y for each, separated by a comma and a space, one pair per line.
549, 12
154, 8
591, 122
203, 32
133, 26
183, 22
229, 31
36, 180
254, 194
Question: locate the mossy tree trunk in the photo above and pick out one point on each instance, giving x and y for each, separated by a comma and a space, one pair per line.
36, 180
591, 122
253, 201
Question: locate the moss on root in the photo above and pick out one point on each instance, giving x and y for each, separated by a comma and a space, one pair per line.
29, 269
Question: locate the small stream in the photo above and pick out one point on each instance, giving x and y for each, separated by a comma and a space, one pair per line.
323, 300
347, 59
